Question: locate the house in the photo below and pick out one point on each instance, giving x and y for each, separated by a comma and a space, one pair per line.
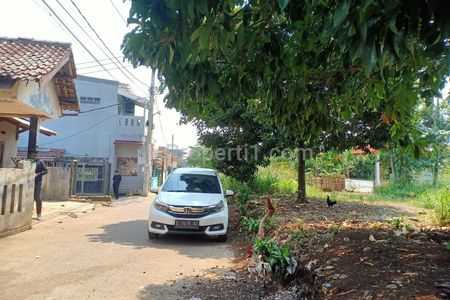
109, 129
36, 84
166, 159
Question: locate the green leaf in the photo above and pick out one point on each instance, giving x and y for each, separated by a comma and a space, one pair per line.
195, 34
363, 30
369, 58
341, 12
170, 54
283, 4
204, 38
190, 6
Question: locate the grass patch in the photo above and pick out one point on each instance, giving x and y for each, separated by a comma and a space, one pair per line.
439, 202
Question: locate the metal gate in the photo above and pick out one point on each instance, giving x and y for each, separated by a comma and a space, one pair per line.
91, 179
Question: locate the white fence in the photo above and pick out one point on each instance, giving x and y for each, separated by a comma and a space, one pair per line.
16, 194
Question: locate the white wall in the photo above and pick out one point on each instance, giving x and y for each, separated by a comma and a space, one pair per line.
129, 183
8, 136
45, 100
93, 133
88, 133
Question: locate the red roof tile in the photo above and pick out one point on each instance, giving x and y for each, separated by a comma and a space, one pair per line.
28, 59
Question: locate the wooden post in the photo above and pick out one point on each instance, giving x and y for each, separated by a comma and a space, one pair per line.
73, 178
32, 137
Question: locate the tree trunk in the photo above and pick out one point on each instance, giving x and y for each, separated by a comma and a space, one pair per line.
391, 159
436, 164
436, 169
301, 189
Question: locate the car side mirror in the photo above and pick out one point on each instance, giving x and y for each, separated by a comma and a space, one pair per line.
229, 193
154, 190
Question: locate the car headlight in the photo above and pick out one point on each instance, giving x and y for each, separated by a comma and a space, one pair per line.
216, 208
160, 206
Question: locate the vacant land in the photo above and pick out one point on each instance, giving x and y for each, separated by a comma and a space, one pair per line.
351, 251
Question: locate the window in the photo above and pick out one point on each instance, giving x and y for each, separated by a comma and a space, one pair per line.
129, 107
132, 122
126, 122
90, 100
192, 183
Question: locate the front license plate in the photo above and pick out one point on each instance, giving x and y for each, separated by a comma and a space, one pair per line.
187, 224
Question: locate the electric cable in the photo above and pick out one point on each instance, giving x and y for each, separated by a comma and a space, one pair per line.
118, 12
93, 61
104, 44
95, 43
77, 39
99, 108
81, 131
160, 124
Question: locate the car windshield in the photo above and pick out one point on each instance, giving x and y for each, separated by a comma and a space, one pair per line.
192, 183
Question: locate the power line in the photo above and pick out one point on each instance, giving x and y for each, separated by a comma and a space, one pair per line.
74, 36
81, 131
118, 12
160, 124
93, 66
104, 44
93, 61
85, 32
99, 108
53, 20
95, 43
90, 72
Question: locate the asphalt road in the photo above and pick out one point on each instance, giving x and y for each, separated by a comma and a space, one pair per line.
103, 254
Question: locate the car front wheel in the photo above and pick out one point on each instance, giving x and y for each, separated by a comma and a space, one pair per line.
222, 238
152, 236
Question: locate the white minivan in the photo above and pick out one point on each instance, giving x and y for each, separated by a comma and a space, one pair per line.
191, 202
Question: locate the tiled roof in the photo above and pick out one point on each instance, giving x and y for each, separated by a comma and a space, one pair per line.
28, 59
41, 61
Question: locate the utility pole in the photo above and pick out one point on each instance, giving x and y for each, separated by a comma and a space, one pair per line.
171, 156
148, 140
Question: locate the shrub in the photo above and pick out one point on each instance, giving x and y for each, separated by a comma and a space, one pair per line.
402, 190
439, 201
250, 225
279, 257
301, 237
265, 184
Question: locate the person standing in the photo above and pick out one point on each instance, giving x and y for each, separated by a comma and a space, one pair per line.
116, 183
40, 171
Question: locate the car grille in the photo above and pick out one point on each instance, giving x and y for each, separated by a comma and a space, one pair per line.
187, 211
171, 228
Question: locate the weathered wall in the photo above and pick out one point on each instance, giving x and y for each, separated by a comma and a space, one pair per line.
360, 186
56, 184
45, 100
129, 183
95, 142
16, 198
8, 137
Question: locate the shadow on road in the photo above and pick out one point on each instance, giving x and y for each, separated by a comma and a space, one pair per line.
218, 284
134, 233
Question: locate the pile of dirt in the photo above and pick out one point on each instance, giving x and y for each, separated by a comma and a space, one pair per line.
351, 250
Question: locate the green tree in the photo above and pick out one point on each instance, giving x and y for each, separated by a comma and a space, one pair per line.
436, 128
200, 157
304, 64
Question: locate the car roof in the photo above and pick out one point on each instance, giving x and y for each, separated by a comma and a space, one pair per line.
201, 171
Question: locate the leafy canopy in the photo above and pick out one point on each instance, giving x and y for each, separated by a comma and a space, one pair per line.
302, 60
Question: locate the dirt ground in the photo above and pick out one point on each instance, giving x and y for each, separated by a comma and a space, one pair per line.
351, 250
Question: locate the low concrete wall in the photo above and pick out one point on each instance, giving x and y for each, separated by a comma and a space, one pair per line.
16, 198
359, 186
56, 184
